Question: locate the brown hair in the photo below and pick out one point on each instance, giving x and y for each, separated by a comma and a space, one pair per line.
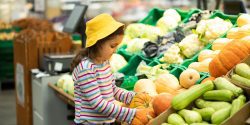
93, 49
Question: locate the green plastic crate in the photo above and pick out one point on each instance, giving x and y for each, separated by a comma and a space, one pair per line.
130, 68
155, 14
218, 13
122, 51
6, 47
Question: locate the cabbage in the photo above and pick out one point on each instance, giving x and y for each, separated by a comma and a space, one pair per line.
151, 72
172, 55
166, 24
213, 28
190, 45
117, 62
136, 45
172, 13
169, 21
138, 30
64, 79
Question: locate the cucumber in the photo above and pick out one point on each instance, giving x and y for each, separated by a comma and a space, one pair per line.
223, 83
237, 104
175, 119
243, 70
200, 103
190, 116
219, 95
206, 113
241, 80
221, 115
183, 99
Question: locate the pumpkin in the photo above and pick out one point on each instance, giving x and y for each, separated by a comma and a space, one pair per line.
243, 19
140, 118
141, 100
208, 79
201, 66
205, 54
145, 85
167, 83
161, 102
189, 77
231, 54
220, 43
239, 32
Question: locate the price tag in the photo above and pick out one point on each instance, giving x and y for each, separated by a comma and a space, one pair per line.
58, 66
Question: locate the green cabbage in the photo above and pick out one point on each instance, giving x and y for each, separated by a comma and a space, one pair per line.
172, 55
136, 45
138, 30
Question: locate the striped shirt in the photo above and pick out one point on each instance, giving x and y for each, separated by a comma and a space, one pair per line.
95, 93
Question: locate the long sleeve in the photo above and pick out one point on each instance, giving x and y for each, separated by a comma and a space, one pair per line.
92, 94
122, 95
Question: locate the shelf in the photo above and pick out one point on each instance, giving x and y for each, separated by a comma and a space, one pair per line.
62, 95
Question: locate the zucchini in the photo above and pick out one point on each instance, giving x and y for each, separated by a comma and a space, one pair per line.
219, 95
206, 113
183, 99
223, 83
165, 124
241, 80
190, 116
243, 70
200, 103
200, 124
175, 119
221, 115
237, 104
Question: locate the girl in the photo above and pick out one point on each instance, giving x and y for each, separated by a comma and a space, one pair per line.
95, 90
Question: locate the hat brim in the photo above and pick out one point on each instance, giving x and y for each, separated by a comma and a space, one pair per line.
102, 33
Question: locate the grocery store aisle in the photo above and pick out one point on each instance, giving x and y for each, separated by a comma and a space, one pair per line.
7, 107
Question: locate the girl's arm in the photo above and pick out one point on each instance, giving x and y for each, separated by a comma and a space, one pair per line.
92, 94
122, 95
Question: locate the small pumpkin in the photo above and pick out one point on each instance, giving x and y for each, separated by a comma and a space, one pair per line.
189, 77
243, 19
201, 66
208, 79
162, 102
239, 32
145, 85
167, 83
220, 43
143, 117
141, 100
231, 54
205, 54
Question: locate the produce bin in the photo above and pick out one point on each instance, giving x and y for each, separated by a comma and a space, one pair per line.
228, 75
153, 16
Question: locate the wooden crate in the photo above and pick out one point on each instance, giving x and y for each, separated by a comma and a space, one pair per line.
29, 47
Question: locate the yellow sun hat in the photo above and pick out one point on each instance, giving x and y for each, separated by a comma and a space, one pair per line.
100, 27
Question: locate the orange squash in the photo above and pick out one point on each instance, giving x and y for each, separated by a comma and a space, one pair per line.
162, 102
143, 117
207, 79
141, 100
229, 56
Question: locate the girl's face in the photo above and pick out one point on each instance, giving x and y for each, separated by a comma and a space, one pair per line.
109, 47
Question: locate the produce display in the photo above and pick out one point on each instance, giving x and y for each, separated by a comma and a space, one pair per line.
186, 65
241, 74
211, 102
